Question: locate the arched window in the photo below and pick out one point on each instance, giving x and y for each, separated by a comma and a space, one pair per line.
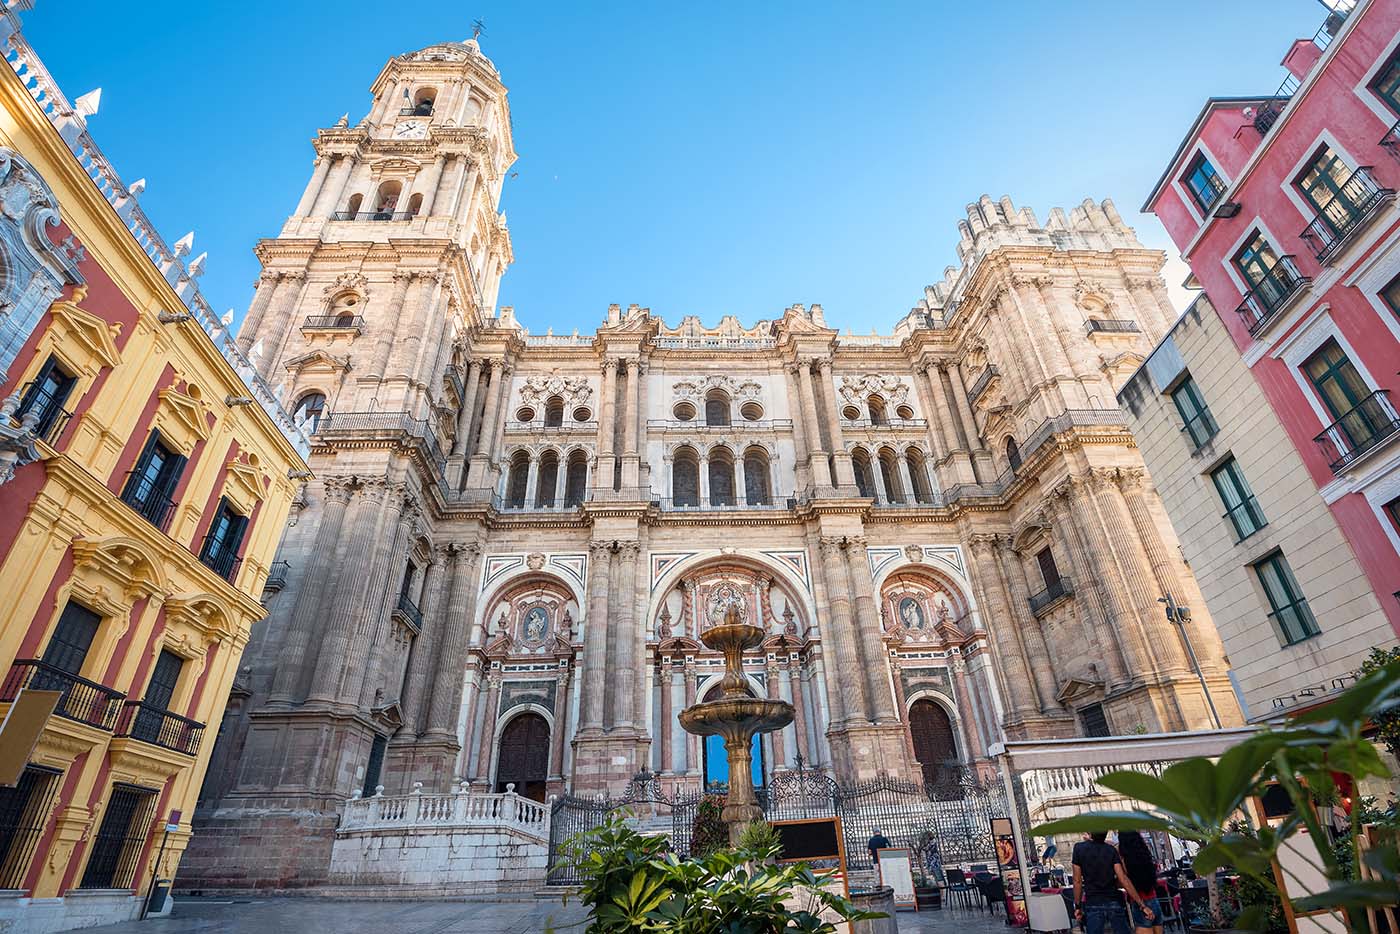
889, 473
353, 207
344, 309
934, 746
415, 204
309, 411
1013, 453
423, 102
756, 492
721, 466
547, 479
717, 408
518, 481
576, 480
386, 200
554, 412
918, 475
876, 405
865, 481
685, 478
523, 760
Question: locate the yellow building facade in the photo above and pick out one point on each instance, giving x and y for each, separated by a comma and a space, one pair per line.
144, 486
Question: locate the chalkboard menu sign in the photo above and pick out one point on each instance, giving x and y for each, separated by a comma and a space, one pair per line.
811, 840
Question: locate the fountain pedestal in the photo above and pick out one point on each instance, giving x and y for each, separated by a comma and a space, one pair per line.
737, 715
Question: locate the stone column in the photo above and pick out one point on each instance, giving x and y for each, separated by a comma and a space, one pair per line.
1117, 605
665, 715
383, 576
629, 426
692, 742
799, 718
1018, 680
423, 655
452, 658
252, 322
974, 438
871, 636
852, 703
427, 185
771, 683
344, 612
901, 705
328, 198
532, 478
321, 166
293, 659
967, 710
877, 477
741, 490
561, 726
844, 474
486, 742
817, 463
607, 427
491, 418
1142, 599
1094, 616
457, 459
451, 166
595, 639
799, 432
384, 333
284, 305
1028, 629
561, 474
644, 465
1068, 335
625, 637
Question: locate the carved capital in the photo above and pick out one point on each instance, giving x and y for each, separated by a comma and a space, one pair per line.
982, 543
338, 489
1132, 479
831, 545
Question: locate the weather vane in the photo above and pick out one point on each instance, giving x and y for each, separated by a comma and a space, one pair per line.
478, 28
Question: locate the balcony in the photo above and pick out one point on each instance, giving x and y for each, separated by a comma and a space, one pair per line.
149, 724
892, 424
672, 505
408, 611
1271, 295
1356, 202
1391, 140
1054, 592
82, 701
142, 496
1111, 326
1372, 422
277, 576
982, 383
354, 323
373, 216
222, 561
420, 430
1267, 115
52, 418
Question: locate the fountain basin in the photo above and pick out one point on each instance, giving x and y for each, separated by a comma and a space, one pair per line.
737, 718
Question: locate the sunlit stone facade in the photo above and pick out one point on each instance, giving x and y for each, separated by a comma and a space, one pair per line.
513, 540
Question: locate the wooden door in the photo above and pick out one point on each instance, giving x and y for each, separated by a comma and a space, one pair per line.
524, 756
934, 746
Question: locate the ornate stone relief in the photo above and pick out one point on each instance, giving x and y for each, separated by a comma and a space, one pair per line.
856, 389
697, 387
574, 390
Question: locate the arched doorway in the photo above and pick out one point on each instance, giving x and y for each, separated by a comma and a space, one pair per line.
717, 758
524, 756
934, 746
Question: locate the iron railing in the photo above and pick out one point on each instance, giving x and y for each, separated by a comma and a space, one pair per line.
333, 322
1391, 139
669, 504
1266, 115
1112, 326
1271, 293
891, 423
277, 575
981, 383
24, 812
372, 215
52, 417
159, 727
419, 429
1365, 427
1354, 203
143, 496
222, 561
409, 611
83, 701
1053, 591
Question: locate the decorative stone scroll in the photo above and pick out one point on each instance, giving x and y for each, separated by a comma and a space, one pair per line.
698, 386
574, 390
855, 389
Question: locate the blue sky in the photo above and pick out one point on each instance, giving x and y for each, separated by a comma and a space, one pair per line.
699, 159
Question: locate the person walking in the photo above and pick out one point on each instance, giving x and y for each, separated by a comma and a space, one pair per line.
1098, 873
1141, 870
877, 843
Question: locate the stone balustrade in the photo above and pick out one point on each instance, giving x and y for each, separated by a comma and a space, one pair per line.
461, 809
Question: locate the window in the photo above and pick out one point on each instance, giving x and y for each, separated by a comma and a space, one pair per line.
1336, 379
150, 723
1392, 512
1094, 722
71, 639
1387, 83
889, 475
717, 409
1323, 179
548, 479
1391, 295
685, 478
918, 474
375, 766
860, 466
876, 406
1256, 261
554, 412
45, 398
1195, 415
1049, 572
116, 849
1204, 183
756, 477
1289, 610
518, 480
24, 809
1013, 453
576, 479
721, 477
1241, 507
224, 539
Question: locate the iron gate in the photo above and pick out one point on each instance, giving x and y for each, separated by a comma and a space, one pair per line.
571, 814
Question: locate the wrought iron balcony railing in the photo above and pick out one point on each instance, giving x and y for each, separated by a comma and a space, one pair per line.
83, 701
1266, 115
1354, 203
1112, 326
333, 323
149, 724
1269, 296
1391, 140
410, 612
142, 495
420, 430
52, 417
1371, 422
1056, 589
372, 215
222, 561
277, 576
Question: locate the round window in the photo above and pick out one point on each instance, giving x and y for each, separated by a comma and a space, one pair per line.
751, 411
850, 413
525, 414
904, 411
684, 411
582, 414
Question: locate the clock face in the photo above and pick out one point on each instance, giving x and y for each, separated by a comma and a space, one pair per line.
411, 129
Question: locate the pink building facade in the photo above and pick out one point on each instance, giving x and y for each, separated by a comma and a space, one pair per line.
1284, 207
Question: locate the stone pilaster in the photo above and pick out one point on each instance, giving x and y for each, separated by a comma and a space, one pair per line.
1029, 633
845, 474
879, 701
423, 655
446, 700
595, 639
849, 702
1017, 678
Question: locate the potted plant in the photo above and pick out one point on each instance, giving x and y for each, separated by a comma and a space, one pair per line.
928, 872
1199, 800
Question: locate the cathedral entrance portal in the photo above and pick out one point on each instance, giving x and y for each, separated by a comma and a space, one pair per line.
524, 756
934, 747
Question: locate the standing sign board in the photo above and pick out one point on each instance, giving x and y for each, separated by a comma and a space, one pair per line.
20, 730
896, 871
818, 842
1009, 865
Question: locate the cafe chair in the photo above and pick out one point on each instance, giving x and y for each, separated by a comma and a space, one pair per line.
959, 886
1169, 917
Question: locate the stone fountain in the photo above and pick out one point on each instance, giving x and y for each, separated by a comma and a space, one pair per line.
737, 715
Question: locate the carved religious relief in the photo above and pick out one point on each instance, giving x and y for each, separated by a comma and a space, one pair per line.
719, 598
918, 608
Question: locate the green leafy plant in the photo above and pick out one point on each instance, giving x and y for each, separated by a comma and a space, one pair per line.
630, 886
759, 837
1387, 722
1200, 800
709, 832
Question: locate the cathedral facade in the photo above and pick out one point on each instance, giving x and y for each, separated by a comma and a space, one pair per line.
512, 541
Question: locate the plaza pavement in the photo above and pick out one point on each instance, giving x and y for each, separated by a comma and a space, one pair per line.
312, 915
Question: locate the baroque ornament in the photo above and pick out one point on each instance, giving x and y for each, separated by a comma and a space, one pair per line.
697, 387
574, 390
855, 389
724, 595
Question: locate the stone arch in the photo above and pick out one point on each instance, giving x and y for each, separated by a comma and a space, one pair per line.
863, 468
516, 596
685, 476
517, 478
935, 731
920, 601
128, 561
793, 590
503, 725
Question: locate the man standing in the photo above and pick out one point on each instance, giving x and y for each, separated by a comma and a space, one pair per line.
1098, 875
877, 843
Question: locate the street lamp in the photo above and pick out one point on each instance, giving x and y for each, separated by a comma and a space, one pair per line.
1178, 616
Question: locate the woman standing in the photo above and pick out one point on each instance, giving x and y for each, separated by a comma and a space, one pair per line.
1142, 873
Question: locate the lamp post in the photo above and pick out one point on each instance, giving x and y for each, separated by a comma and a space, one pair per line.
1177, 616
